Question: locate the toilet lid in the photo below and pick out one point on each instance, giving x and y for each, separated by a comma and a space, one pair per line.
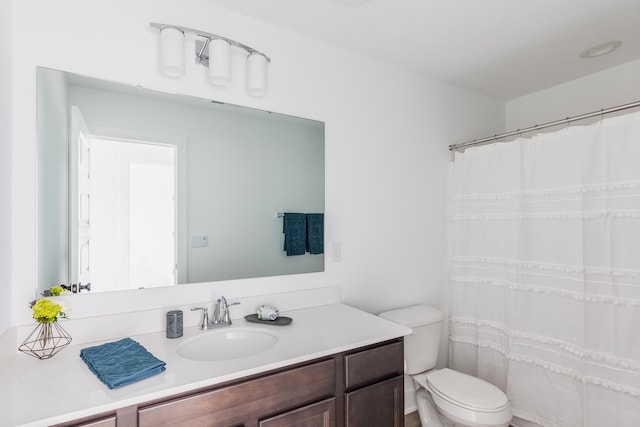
466, 391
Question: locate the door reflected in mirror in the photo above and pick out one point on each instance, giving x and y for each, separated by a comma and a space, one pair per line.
138, 188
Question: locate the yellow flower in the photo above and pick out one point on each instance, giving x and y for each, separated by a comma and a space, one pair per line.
46, 311
56, 290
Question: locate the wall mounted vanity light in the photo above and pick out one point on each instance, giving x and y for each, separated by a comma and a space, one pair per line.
212, 51
172, 52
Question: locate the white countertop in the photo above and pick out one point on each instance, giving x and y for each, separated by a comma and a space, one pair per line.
43, 392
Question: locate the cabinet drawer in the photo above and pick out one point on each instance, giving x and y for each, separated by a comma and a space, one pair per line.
320, 414
249, 400
108, 421
374, 364
102, 422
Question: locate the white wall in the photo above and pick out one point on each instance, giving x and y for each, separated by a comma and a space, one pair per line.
6, 134
615, 86
387, 132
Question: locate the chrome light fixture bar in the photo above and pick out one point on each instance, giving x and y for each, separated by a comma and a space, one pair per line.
214, 52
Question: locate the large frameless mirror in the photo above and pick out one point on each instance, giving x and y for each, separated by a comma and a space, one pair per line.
139, 188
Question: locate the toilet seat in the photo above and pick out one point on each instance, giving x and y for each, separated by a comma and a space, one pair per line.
465, 399
466, 391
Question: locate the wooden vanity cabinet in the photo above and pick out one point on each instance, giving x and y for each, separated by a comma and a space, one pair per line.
359, 388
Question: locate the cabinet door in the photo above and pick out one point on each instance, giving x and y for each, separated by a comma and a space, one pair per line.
378, 405
321, 414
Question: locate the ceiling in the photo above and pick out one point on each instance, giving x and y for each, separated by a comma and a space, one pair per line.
503, 48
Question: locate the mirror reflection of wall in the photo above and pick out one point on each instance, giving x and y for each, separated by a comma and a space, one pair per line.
234, 169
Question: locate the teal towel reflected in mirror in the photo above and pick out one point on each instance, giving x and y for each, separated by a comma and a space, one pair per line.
121, 362
295, 233
315, 233
303, 233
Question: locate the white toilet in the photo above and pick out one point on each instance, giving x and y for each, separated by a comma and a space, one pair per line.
461, 400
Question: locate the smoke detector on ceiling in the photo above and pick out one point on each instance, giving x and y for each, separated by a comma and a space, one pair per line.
353, 2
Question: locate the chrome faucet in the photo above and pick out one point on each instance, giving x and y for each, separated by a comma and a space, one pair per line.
221, 315
221, 312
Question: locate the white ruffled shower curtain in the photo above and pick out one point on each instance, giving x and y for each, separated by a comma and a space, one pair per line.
545, 272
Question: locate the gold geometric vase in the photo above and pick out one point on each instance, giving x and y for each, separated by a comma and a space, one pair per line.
45, 340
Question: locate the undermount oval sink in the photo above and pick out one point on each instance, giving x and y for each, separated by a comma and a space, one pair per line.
227, 344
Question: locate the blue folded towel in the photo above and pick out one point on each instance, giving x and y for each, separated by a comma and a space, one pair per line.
121, 362
315, 233
295, 233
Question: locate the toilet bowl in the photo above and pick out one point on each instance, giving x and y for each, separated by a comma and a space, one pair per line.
445, 397
463, 399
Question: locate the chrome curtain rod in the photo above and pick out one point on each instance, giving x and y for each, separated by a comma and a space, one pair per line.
545, 125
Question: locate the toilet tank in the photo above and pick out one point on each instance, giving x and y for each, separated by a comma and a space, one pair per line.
421, 347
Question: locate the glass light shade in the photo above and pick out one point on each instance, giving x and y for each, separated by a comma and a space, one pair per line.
172, 52
257, 74
219, 62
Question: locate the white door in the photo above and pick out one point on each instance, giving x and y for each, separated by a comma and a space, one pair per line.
134, 214
152, 207
80, 224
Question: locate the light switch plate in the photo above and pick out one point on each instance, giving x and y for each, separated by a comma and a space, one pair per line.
199, 241
336, 251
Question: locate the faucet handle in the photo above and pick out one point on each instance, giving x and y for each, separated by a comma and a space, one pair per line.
227, 318
204, 320
221, 312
